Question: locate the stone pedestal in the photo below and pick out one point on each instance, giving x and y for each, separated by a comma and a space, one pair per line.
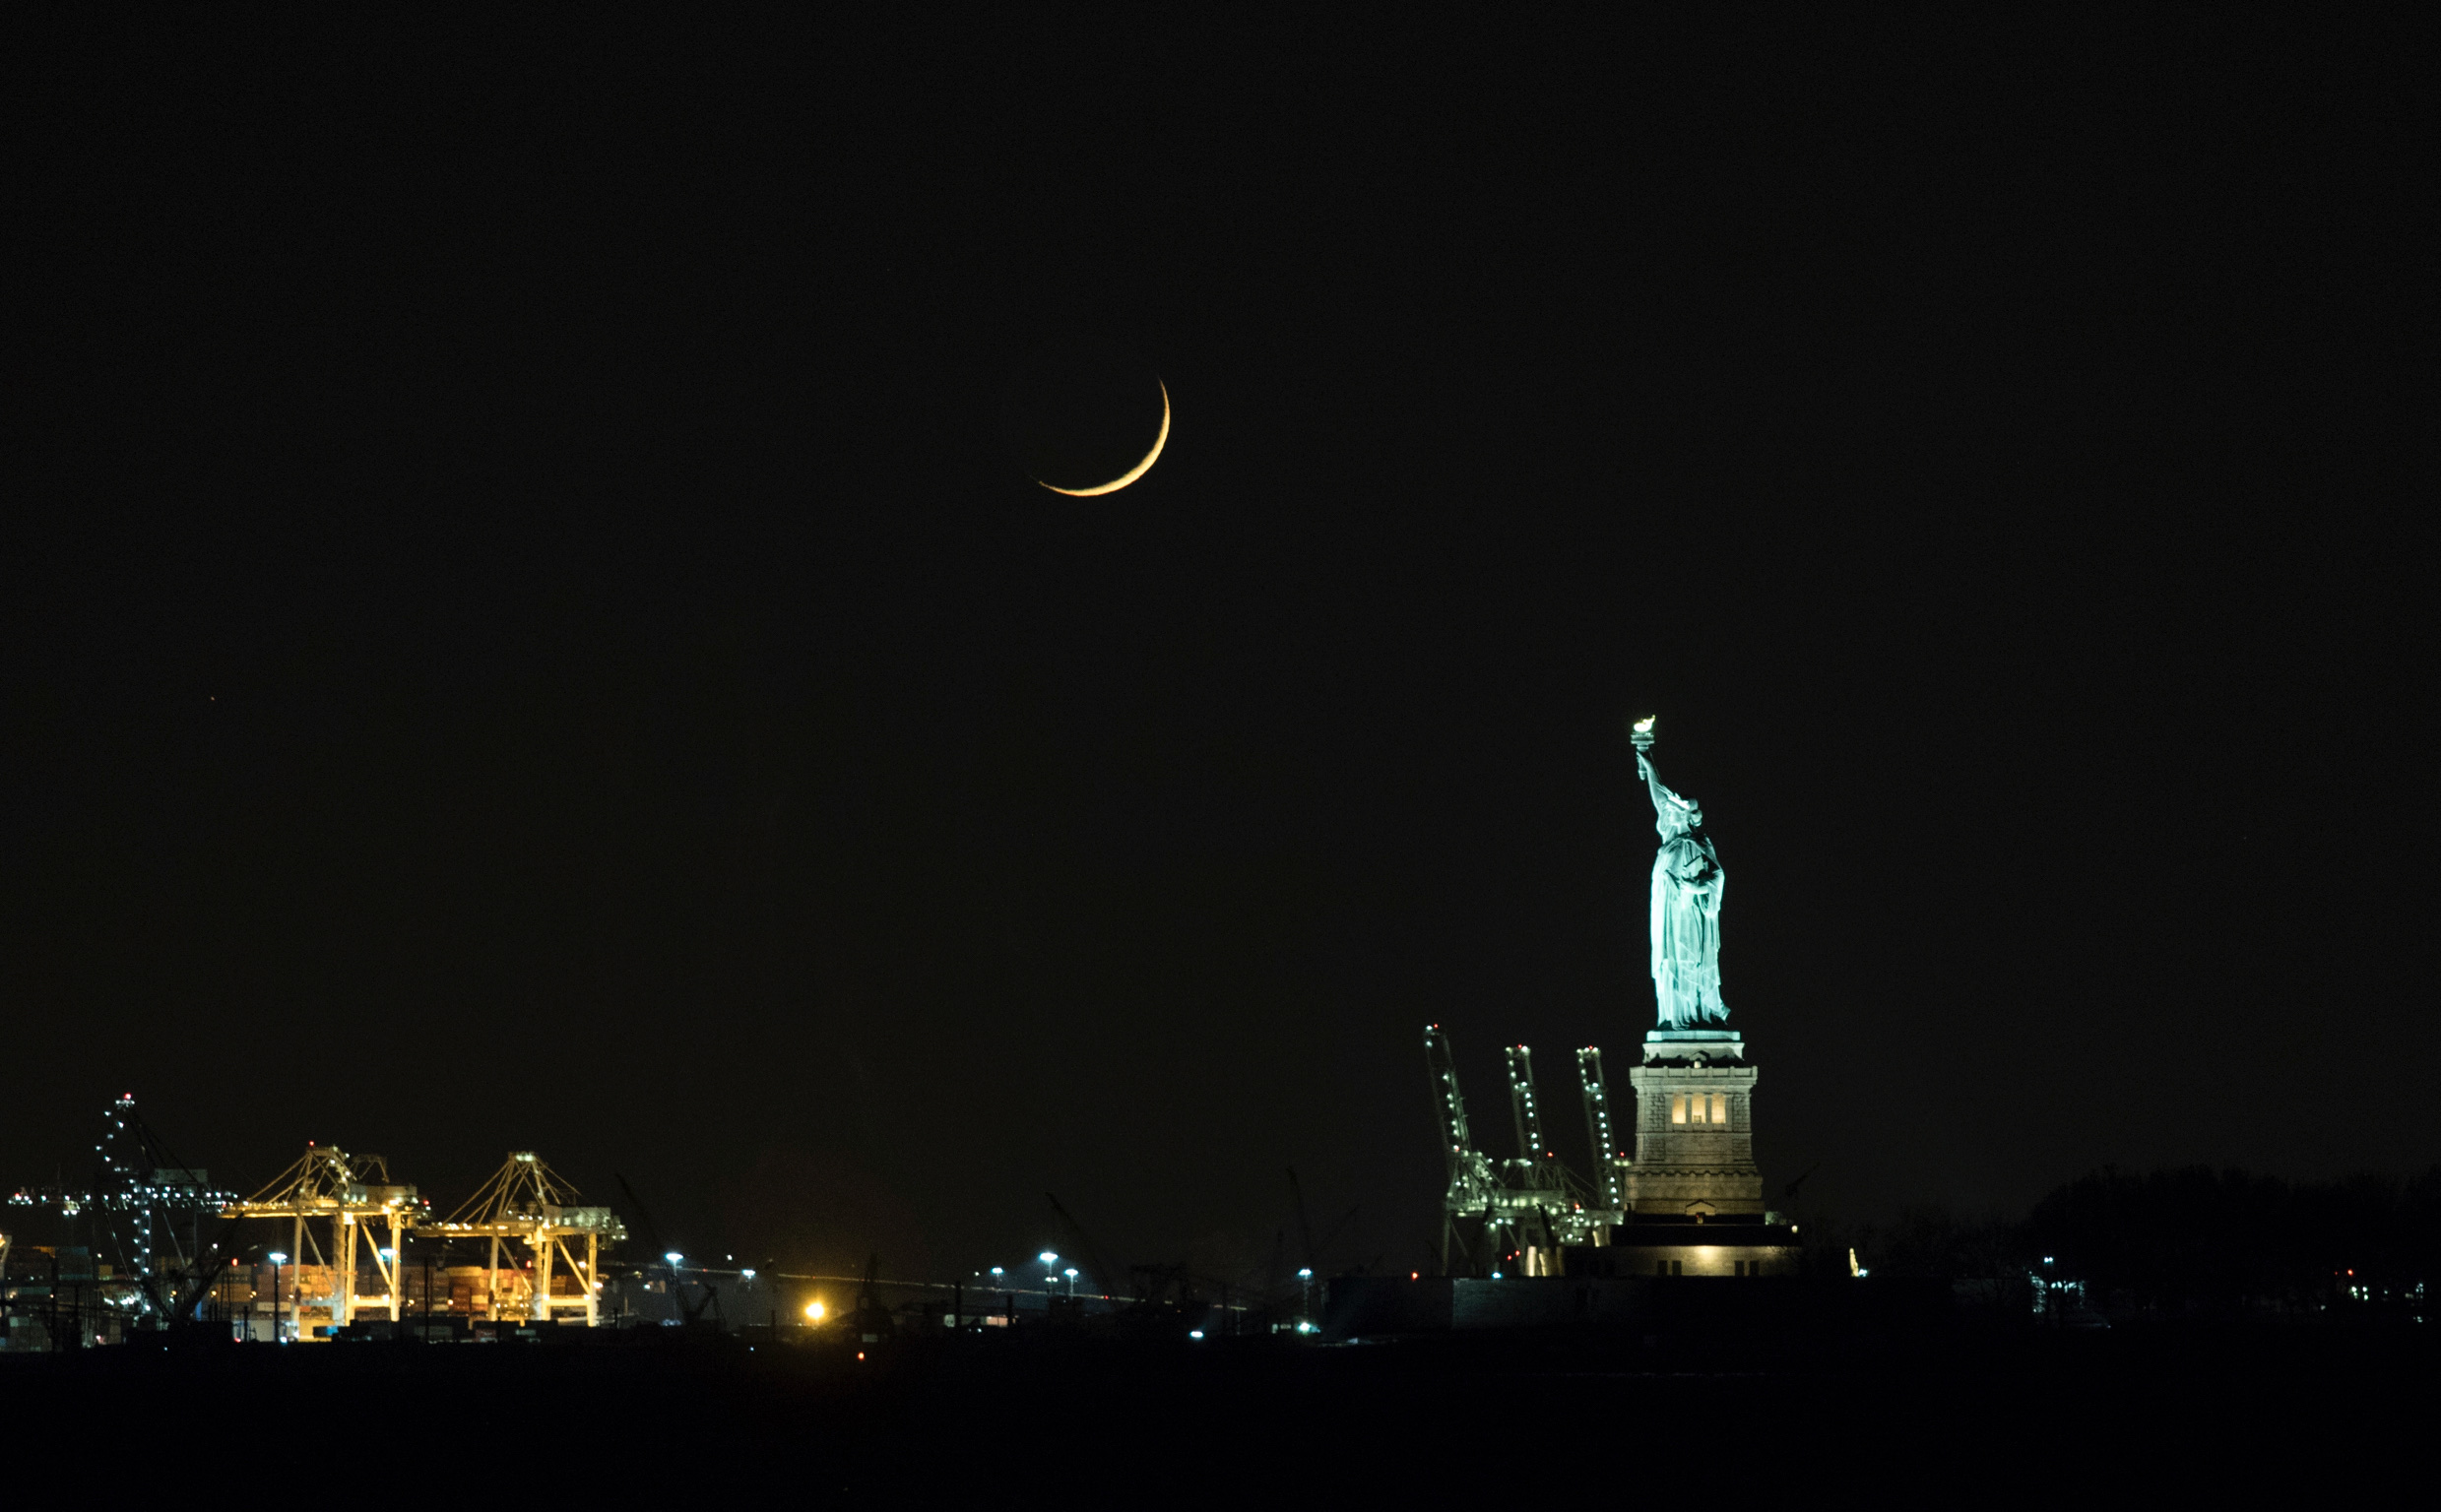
1695, 1129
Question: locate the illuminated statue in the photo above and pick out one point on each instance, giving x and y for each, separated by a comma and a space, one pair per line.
1686, 882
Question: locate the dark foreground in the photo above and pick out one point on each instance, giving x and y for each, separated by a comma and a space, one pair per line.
1034, 1419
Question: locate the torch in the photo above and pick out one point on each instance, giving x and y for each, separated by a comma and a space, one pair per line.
1642, 733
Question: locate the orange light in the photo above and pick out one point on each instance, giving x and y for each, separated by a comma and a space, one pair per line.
859, 1353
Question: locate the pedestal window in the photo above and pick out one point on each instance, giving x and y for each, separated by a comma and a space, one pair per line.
1699, 1108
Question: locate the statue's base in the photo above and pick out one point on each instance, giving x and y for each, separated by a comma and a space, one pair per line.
1695, 1131
1698, 1046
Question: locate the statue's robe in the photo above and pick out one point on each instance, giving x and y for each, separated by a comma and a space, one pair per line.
1686, 882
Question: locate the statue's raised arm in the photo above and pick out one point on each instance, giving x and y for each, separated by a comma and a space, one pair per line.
1672, 814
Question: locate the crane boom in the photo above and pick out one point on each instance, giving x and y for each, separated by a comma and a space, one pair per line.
1528, 1114
1471, 1182
1088, 1251
1449, 1103
1305, 1230
1606, 1151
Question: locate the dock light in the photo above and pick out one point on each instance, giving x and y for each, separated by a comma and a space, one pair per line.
1306, 1274
387, 1253
277, 1258
1048, 1258
997, 1271
747, 1275
673, 1257
1194, 1333
813, 1312
1496, 1275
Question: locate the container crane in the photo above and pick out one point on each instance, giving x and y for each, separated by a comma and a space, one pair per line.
352, 1193
1540, 1206
1471, 1182
147, 1208
527, 1202
691, 1311
1097, 1266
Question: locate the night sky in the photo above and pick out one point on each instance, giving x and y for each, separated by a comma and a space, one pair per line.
523, 628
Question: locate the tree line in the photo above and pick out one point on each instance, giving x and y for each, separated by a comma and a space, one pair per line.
2178, 1242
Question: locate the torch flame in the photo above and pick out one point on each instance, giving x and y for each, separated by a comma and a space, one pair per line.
1643, 727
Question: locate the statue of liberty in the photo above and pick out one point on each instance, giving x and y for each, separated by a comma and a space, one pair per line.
1687, 883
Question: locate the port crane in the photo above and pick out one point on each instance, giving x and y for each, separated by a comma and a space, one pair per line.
1472, 1184
144, 1214
524, 1203
692, 1310
1531, 1203
528, 1202
351, 1194
146, 1208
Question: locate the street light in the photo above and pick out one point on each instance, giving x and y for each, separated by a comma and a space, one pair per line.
1072, 1275
277, 1260
1048, 1258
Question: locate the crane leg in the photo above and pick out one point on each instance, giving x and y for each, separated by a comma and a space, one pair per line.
540, 1308
296, 1281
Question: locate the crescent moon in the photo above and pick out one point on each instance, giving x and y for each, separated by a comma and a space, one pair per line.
1134, 472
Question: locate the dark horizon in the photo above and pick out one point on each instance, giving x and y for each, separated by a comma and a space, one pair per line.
524, 630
